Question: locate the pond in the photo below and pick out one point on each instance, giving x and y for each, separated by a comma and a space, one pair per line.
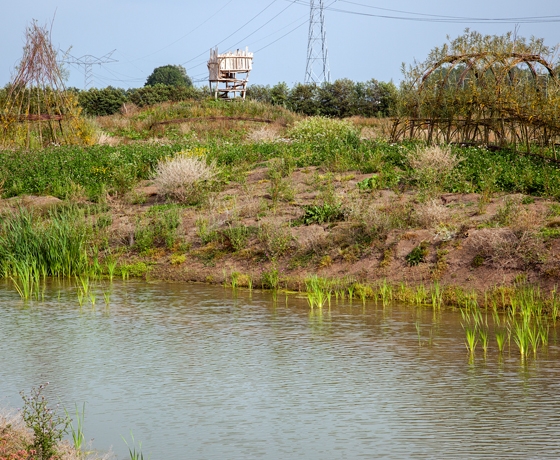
201, 372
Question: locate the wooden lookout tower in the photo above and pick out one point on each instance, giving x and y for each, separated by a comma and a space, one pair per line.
229, 73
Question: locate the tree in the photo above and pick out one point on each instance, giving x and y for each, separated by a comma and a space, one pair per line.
172, 75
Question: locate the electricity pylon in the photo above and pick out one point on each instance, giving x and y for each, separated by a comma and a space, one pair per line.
317, 69
88, 61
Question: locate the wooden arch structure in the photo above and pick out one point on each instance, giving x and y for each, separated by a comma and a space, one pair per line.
37, 109
483, 98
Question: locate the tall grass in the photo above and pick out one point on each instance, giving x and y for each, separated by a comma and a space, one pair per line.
34, 247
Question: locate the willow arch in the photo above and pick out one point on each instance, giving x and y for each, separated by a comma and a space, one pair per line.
482, 96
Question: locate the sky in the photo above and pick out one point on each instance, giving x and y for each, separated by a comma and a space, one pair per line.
365, 38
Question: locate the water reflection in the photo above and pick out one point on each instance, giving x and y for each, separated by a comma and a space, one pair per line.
201, 372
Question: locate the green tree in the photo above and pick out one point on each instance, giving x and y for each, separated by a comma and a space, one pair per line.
171, 75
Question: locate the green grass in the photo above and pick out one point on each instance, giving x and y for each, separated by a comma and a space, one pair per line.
66, 171
56, 245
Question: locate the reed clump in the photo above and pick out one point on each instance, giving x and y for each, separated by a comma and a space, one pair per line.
33, 247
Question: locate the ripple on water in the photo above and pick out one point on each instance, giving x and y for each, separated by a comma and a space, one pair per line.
198, 372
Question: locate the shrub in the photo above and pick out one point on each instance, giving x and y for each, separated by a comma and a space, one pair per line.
320, 130
48, 427
320, 214
237, 236
432, 165
157, 228
184, 177
99, 102
418, 254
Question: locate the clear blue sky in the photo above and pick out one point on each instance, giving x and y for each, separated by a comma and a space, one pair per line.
147, 34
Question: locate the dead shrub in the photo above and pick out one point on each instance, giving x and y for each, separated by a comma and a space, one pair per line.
432, 165
183, 177
503, 248
264, 134
128, 109
366, 222
430, 214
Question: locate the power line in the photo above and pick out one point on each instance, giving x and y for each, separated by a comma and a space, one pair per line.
441, 18
233, 33
186, 35
267, 22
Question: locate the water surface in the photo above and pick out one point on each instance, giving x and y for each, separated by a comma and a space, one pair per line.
200, 372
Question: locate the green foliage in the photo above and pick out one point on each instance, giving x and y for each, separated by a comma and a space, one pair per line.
276, 241
418, 254
156, 94
78, 437
341, 98
236, 236
132, 452
55, 245
323, 131
99, 102
320, 214
171, 75
98, 169
270, 279
369, 183
206, 231
157, 228
48, 427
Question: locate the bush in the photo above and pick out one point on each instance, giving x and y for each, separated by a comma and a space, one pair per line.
158, 227
150, 95
320, 130
183, 177
48, 427
432, 165
99, 102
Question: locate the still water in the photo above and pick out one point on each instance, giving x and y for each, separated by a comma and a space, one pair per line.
201, 372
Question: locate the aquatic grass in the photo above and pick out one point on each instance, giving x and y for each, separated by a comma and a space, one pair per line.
483, 335
386, 291
77, 433
92, 299
132, 452
521, 337
471, 339
110, 265
318, 291
437, 295
500, 339
33, 246
26, 279
420, 294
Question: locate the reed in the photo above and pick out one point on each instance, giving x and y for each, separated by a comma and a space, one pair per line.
521, 337
500, 339
132, 452
55, 245
386, 292
420, 295
471, 339
437, 295
318, 291
483, 335
77, 433
110, 265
